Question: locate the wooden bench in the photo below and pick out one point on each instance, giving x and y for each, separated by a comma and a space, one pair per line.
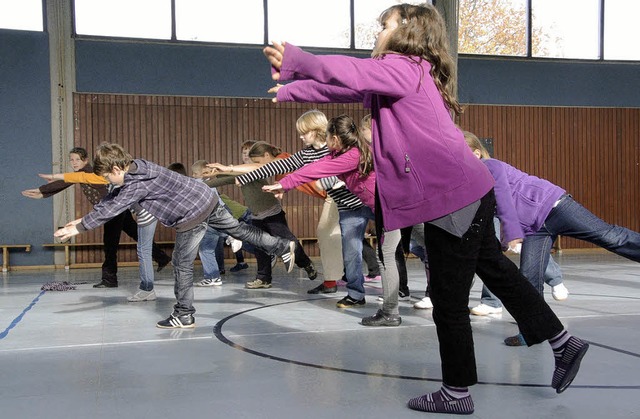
5, 253
68, 245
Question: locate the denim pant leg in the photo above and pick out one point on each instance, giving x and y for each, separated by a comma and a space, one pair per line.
534, 257
569, 218
353, 225
553, 273
184, 254
207, 252
145, 260
263, 260
223, 221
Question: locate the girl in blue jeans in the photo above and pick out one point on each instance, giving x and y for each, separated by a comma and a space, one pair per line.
535, 212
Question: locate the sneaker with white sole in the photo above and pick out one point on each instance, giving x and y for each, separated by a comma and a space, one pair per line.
424, 303
258, 283
142, 295
209, 282
186, 321
559, 292
485, 310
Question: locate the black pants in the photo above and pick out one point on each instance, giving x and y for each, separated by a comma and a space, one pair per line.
277, 226
370, 259
111, 238
453, 262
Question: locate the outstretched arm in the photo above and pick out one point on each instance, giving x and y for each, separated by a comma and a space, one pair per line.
33, 193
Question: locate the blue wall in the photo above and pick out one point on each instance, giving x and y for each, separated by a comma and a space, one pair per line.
25, 143
204, 70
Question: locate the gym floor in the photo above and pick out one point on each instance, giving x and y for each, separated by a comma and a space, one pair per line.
283, 353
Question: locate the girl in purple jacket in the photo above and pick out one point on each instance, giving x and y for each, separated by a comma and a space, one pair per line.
539, 211
425, 173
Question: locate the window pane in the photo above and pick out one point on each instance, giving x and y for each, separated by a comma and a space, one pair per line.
492, 27
219, 21
620, 17
24, 14
566, 29
328, 26
366, 17
125, 18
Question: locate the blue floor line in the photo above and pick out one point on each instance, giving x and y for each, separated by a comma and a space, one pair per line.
17, 320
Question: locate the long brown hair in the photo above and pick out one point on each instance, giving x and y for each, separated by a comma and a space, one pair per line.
350, 136
422, 33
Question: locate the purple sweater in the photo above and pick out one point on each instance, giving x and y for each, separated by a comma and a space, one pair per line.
345, 167
424, 168
523, 201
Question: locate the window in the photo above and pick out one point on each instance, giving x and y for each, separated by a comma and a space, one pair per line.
327, 25
620, 39
220, 21
149, 19
23, 15
566, 29
492, 27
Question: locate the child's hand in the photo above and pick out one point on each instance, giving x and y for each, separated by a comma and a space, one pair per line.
275, 189
274, 55
217, 167
48, 177
275, 89
32, 193
67, 232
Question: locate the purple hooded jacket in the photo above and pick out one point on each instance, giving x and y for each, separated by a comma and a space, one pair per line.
424, 168
523, 201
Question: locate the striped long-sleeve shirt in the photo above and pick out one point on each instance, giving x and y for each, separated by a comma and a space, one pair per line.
343, 198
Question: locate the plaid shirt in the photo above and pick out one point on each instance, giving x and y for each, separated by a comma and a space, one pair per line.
175, 200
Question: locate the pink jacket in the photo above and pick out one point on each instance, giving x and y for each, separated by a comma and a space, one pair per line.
345, 167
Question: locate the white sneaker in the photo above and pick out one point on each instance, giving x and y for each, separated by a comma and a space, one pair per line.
209, 282
485, 310
424, 303
234, 243
559, 292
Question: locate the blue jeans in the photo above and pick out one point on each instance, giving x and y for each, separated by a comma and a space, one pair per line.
353, 224
571, 219
188, 242
207, 253
144, 249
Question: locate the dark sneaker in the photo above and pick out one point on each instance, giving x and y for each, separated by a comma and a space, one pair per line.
238, 267
348, 302
106, 284
311, 271
289, 258
382, 319
517, 340
322, 289
186, 321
